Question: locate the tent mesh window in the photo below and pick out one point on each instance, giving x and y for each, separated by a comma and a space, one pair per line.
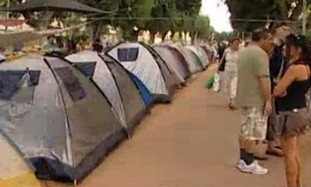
13, 82
128, 54
87, 68
72, 84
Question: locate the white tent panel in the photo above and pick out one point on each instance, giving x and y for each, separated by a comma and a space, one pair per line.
144, 67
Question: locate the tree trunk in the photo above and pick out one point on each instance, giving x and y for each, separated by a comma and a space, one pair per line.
163, 36
296, 13
172, 35
180, 36
193, 37
40, 23
152, 37
97, 29
133, 35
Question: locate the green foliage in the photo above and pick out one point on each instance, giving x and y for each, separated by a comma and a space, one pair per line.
121, 9
190, 9
202, 27
263, 10
225, 35
174, 15
136, 8
161, 16
165, 15
83, 37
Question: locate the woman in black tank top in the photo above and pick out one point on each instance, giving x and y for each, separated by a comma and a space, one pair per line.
291, 94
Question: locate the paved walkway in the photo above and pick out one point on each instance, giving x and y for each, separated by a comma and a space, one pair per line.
190, 143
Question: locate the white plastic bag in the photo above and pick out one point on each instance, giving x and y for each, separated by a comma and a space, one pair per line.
216, 85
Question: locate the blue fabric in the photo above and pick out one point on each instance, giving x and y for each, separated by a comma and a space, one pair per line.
10, 82
144, 91
128, 54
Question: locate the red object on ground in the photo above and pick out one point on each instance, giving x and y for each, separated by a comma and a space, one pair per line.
12, 22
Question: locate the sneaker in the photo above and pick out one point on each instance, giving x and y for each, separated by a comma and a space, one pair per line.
253, 168
241, 164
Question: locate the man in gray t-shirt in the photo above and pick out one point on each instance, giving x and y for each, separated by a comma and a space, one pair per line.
253, 98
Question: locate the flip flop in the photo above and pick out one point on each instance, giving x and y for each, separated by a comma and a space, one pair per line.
275, 152
231, 107
278, 147
261, 157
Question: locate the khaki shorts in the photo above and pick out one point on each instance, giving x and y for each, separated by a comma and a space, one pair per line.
253, 124
294, 123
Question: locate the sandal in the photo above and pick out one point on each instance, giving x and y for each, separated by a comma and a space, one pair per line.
231, 106
278, 147
275, 152
261, 157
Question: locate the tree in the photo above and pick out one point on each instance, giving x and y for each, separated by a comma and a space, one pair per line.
286, 10
161, 18
124, 15
202, 27
136, 9
39, 20
98, 22
189, 9
174, 16
225, 36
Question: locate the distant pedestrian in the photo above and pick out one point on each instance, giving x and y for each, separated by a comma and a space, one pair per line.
231, 71
97, 46
254, 99
221, 48
51, 45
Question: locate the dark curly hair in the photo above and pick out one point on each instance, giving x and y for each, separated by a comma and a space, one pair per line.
300, 41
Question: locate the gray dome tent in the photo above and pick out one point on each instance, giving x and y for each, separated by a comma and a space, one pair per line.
56, 117
143, 62
173, 60
115, 83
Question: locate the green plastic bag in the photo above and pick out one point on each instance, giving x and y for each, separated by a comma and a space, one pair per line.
210, 83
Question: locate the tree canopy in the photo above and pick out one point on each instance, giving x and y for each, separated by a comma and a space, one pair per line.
157, 16
202, 27
261, 11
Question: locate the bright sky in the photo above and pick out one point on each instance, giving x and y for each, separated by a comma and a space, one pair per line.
218, 14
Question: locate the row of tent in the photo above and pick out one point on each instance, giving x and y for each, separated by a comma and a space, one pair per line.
64, 114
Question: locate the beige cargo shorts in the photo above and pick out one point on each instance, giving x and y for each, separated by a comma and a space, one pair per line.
253, 123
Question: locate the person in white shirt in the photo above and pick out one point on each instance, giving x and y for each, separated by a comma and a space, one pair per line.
231, 71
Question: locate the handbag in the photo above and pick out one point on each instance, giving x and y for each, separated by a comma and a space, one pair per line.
222, 63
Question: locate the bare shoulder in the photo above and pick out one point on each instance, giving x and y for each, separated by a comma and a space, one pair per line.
298, 70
